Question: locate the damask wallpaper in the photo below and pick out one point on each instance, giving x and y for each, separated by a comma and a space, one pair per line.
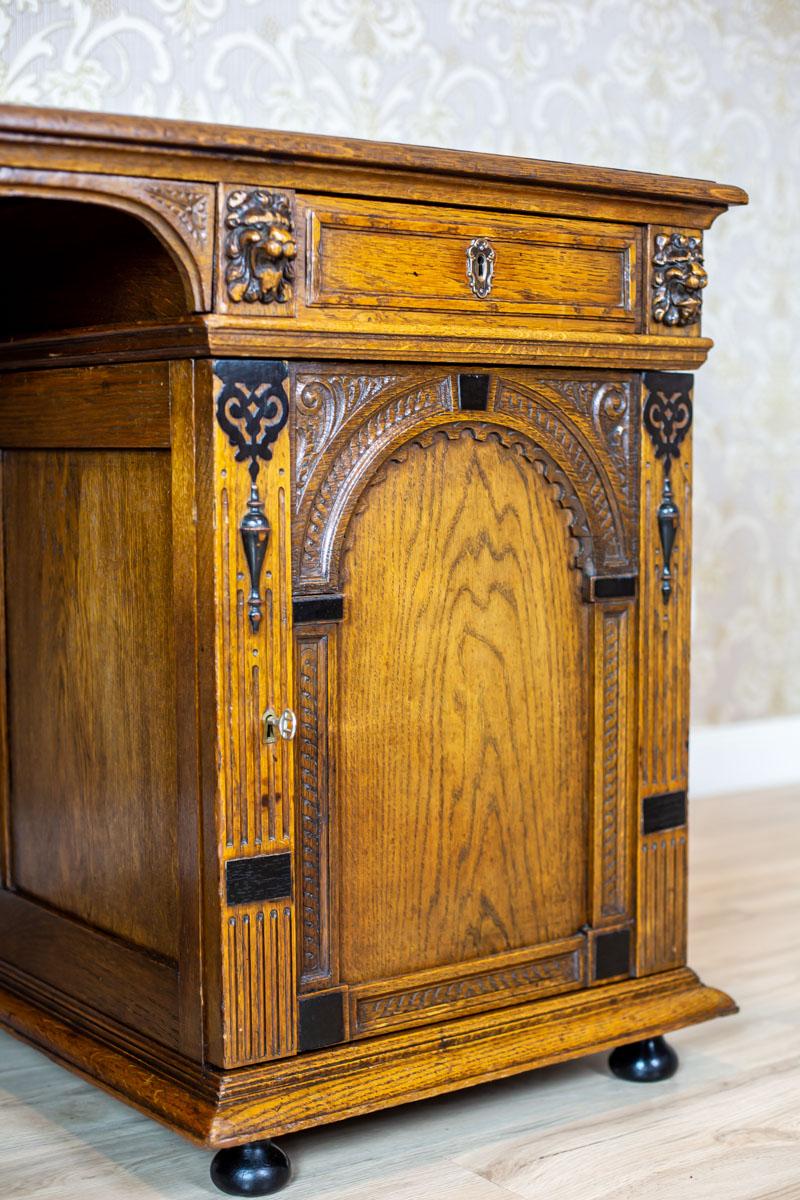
696, 87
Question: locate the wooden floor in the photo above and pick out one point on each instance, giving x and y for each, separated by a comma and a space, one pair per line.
727, 1127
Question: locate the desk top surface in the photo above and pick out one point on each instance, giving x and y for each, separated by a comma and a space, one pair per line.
273, 147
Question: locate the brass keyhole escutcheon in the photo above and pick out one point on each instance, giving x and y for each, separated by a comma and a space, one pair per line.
480, 266
279, 725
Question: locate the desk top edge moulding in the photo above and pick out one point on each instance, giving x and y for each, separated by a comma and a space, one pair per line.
249, 691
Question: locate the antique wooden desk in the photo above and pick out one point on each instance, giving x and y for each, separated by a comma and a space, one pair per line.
390, 448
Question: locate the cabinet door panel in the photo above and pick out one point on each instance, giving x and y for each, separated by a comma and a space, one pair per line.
464, 553
462, 707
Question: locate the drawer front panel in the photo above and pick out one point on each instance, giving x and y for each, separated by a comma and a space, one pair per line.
411, 259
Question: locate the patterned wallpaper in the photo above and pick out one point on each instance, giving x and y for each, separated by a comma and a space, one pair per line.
696, 87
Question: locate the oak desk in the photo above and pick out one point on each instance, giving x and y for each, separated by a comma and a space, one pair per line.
346, 502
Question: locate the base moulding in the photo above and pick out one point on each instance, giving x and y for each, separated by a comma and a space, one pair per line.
224, 1108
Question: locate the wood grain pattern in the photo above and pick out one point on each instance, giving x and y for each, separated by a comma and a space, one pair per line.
95, 970
464, 785
318, 955
120, 407
407, 260
112, 268
487, 983
582, 475
180, 214
253, 669
664, 631
663, 861
92, 688
570, 450
145, 133
260, 997
475, 731
255, 781
421, 398
740, 1076
190, 440
613, 721
664, 641
225, 336
219, 1109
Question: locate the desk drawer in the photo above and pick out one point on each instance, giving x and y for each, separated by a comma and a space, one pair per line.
409, 259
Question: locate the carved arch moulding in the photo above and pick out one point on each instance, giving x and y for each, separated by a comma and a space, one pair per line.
179, 214
347, 426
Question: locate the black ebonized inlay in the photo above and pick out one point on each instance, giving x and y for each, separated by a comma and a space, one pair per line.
614, 587
663, 812
668, 412
612, 954
317, 608
252, 407
668, 419
320, 1021
252, 880
473, 393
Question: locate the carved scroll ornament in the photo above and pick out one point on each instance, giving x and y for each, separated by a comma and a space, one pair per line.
259, 247
678, 279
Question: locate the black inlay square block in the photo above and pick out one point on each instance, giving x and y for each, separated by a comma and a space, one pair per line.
668, 382
614, 587
473, 393
320, 1021
253, 880
666, 811
317, 608
612, 954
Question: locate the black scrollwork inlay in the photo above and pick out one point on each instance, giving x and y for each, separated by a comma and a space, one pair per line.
667, 419
252, 408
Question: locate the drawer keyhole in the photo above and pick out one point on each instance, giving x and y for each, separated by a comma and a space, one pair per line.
480, 266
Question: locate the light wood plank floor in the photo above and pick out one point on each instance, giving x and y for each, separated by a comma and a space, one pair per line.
727, 1127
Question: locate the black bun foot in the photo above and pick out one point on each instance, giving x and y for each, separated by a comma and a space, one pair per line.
644, 1062
258, 1169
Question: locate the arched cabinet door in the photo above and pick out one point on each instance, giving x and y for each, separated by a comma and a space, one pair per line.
463, 579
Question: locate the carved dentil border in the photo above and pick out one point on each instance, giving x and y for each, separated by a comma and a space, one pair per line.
341, 448
561, 493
